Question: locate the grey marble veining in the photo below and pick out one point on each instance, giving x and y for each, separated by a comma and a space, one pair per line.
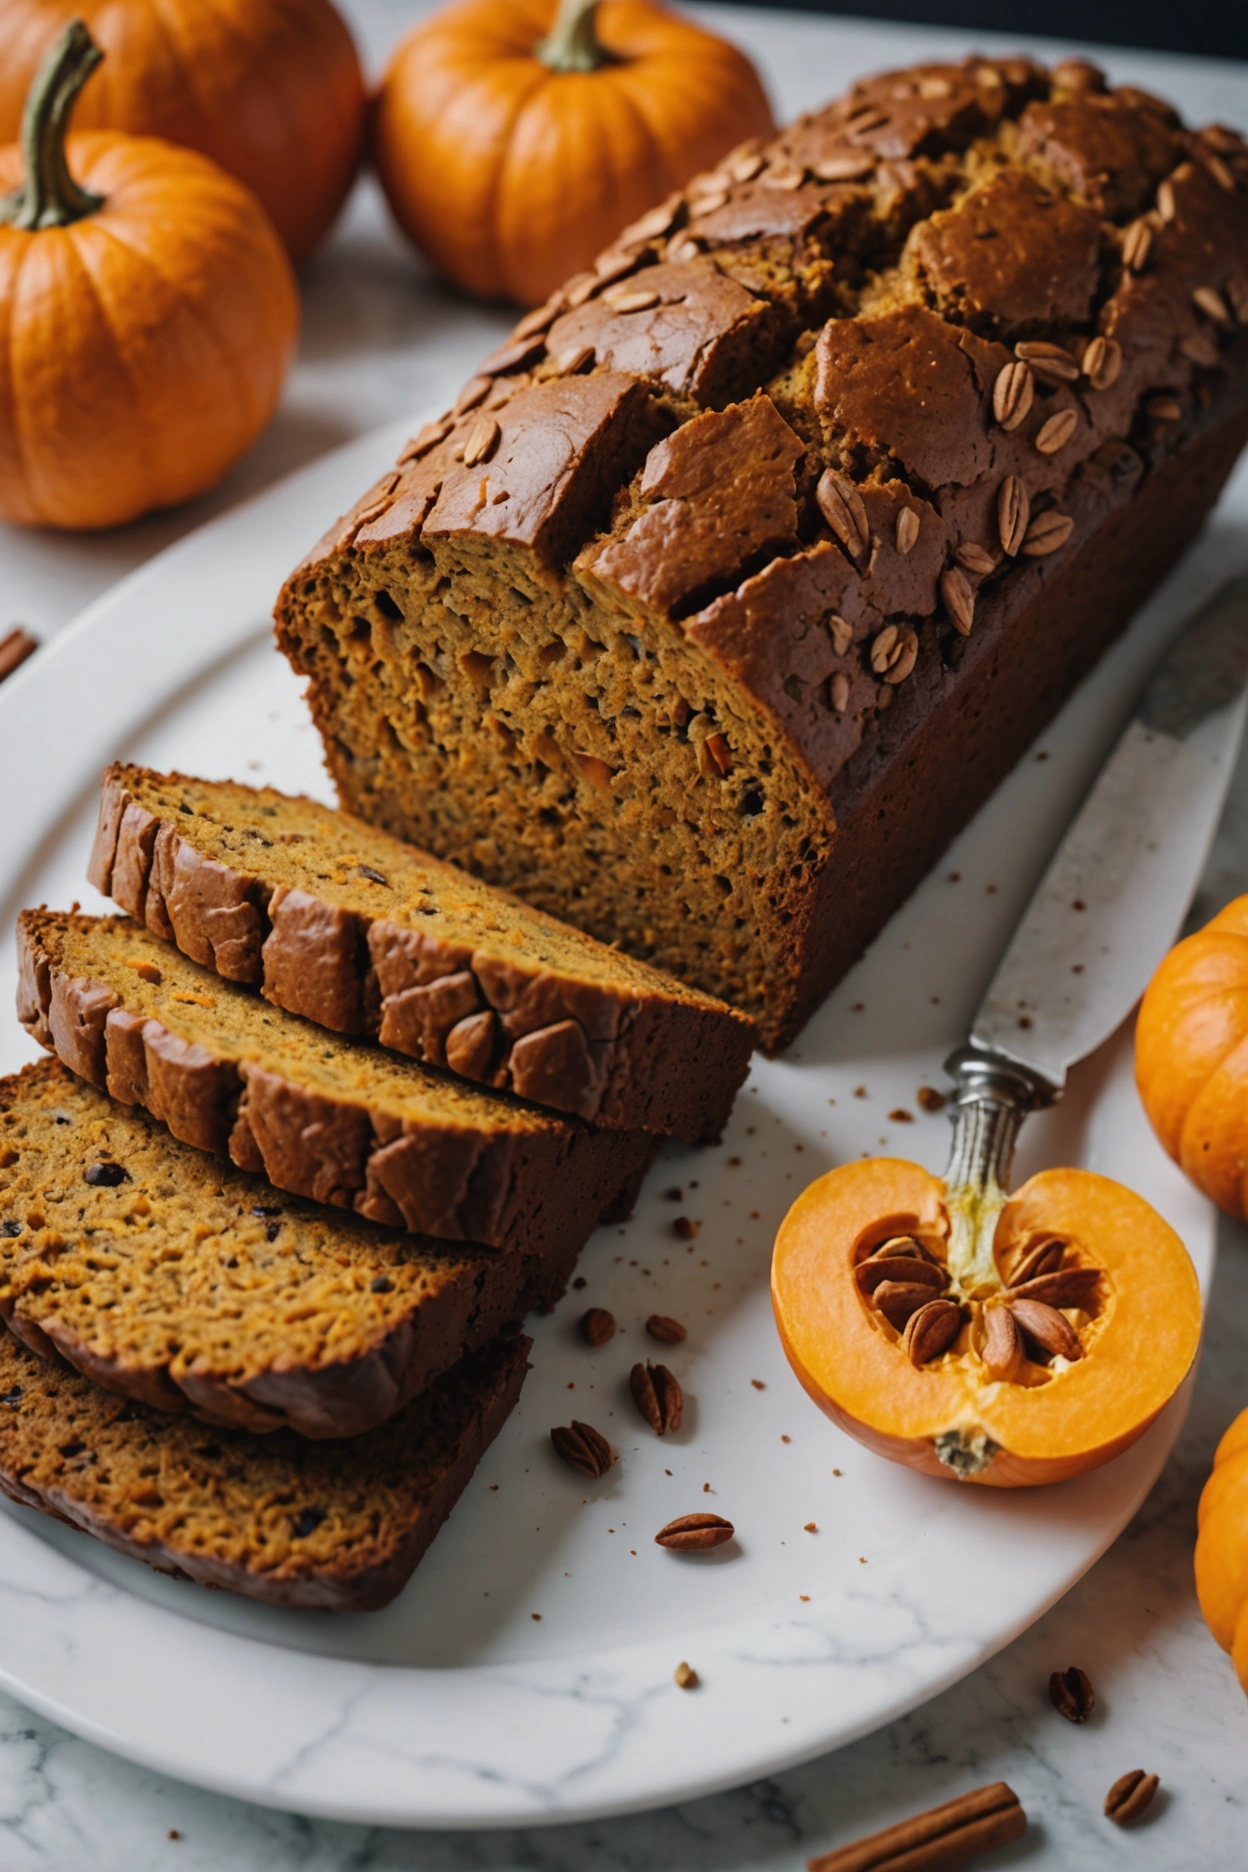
379, 334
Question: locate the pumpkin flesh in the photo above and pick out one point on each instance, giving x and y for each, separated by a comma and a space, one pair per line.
1057, 1419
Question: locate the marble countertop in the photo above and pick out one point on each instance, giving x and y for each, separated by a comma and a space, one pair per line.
381, 334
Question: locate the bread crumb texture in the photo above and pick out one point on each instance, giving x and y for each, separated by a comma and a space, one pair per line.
171, 1277
337, 920
633, 629
338, 1525
321, 1115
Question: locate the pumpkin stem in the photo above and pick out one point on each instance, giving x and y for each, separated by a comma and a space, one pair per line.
49, 197
992, 1099
572, 44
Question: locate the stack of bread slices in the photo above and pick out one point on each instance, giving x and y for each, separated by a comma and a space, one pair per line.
325, 1118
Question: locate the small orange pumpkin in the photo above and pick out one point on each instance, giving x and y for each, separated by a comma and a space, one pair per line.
512, 151
1031, 1345
270, 89
1222, 1547
148, 315
1191, 1057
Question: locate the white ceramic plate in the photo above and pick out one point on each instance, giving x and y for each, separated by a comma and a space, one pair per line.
526, 1673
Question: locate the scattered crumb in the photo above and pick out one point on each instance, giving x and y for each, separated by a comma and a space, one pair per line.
758, 1384
804, 1597
733, 1162
493, 1488
990, 890
862, 1559
930, 1100
899, 1115
1043, 754
686, 1677
857, 1007
571, 1384
860, 1091
785, 1439
686, 1227
1024, 1020
674, 1195
580, 1280
811, 1527
174, 1834
667, 1472
836, 1472
955, 877
706, 1488
536, 1617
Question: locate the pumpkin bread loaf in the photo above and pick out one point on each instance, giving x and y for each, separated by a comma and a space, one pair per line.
336, 1120
340, 922
740, 575
334, 1525
168, 1276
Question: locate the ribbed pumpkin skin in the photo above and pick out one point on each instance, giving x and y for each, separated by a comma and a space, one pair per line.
143, 348
1222, 1547
270, 89
510, 176
1191, 1057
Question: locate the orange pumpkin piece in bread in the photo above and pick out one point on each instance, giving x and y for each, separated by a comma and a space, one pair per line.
1009, 1341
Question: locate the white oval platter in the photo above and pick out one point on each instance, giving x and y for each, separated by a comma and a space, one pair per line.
526, 1674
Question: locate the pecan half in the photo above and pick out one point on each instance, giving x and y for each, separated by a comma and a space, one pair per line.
1002, 1348
583, 1448
695, 1533
1045, 1327
843, 508
1072, 1695
899, 1301
1064, 1287
597, 1326
657, 1396
931, 1330
871, 1274
1130, 1795
1042, 1258
666, 1331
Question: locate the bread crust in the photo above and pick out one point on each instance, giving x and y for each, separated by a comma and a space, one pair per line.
524, 1189
483, 1393
613, 1055
464, 1300
1012, 304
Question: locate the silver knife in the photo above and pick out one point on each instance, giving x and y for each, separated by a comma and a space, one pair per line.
1104, 914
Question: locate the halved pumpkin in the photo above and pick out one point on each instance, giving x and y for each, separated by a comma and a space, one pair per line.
1103, 1305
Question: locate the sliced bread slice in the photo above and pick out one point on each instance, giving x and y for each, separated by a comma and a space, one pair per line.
334, 1119
340, 922
335, 1525
168, 1276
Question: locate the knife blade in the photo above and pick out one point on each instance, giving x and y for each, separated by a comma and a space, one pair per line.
1115, 894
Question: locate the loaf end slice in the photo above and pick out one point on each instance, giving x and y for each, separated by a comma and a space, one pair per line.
338, 1526
337, 1120
169, 1277
338, 921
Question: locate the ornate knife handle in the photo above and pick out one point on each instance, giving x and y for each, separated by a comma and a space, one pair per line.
991, 1097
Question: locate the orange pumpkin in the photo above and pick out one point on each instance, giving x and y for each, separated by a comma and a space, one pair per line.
1222, 1547
1191, 1057
269, 89
1033, 1345
512, 152
148, 315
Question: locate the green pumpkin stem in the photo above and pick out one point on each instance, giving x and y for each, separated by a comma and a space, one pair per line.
49, 197
572, 44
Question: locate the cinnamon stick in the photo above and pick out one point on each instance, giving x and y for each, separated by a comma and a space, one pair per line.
947, 1835
15, 647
